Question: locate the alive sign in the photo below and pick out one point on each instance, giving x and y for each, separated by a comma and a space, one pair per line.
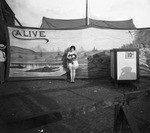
29, 34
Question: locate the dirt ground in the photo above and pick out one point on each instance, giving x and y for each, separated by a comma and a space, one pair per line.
57, 106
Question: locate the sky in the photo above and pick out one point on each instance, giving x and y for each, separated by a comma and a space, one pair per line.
31, 12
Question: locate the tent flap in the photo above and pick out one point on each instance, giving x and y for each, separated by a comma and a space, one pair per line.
54, 24
62, 24
126, 24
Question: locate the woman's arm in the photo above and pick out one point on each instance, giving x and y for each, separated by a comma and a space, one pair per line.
68, 57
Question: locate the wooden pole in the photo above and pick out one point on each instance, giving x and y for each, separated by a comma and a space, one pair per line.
87, 19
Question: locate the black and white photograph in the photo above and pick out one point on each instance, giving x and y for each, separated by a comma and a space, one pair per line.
74, 66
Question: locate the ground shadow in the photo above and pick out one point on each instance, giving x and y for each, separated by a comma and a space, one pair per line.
99, 64
64, 63
44, 110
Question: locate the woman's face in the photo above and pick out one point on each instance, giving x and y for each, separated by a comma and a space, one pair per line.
72, 49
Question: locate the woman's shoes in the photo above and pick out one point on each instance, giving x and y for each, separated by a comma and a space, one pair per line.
72, 82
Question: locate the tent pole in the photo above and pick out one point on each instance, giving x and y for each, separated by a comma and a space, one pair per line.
87, 19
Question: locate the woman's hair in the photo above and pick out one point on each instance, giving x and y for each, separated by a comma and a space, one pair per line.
73, 47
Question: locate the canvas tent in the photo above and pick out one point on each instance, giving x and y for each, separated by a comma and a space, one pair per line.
124, 24
6, 14
50, 23
7, 17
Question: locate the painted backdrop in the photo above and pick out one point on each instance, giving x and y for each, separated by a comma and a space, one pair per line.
42, 53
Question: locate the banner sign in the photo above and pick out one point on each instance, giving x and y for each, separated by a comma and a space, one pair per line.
42, 53
29, 35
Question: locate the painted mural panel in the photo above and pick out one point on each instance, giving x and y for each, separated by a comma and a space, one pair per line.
42, 53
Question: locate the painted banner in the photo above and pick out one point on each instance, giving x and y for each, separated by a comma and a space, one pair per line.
38, 52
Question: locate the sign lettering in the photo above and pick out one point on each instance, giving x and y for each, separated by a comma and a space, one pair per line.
129, 55
29, 35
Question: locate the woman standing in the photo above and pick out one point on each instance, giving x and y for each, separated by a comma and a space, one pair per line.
72, 63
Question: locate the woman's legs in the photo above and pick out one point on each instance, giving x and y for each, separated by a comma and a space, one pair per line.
73, 74
72, 69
